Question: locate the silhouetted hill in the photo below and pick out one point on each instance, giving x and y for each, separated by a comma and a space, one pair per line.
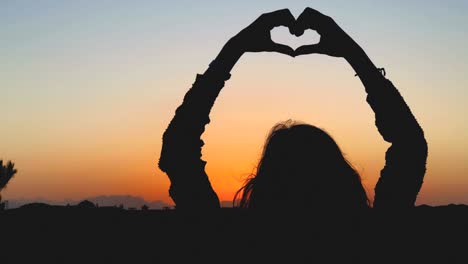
102, 200
37, 206
128, 201
40, 233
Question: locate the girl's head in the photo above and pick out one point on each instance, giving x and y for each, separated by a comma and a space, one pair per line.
302, 166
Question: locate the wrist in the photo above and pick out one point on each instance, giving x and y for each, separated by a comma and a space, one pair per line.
234, 48
365, 68
355, 55
359, 60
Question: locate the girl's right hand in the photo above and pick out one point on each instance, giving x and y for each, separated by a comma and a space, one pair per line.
257, 37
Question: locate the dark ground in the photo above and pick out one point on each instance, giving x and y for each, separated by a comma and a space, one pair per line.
112, 235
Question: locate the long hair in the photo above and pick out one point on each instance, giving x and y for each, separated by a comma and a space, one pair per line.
302, 166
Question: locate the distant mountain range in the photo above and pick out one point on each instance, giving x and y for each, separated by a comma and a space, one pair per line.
128, 201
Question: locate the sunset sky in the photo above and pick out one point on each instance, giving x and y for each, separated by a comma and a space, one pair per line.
88, 88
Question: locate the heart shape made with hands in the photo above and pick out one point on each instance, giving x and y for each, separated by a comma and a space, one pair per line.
282, 35
310, 22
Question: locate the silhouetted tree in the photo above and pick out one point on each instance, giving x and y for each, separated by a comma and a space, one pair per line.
86, 204
6, 173
144, 207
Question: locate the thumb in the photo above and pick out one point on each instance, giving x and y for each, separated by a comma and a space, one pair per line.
284, 49
309, 49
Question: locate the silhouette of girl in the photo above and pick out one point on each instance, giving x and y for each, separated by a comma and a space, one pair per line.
301, 165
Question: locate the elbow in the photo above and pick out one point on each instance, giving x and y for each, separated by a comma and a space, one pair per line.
175, 148
413, 137
166, 155
420, 143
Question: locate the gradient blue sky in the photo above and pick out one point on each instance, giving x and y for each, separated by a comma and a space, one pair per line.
88, 88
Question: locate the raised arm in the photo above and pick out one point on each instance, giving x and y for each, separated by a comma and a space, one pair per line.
402, 177
181, 151
405, 167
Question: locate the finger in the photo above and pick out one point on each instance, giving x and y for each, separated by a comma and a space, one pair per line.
309, 49
308, 19
284, 49
278, 18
